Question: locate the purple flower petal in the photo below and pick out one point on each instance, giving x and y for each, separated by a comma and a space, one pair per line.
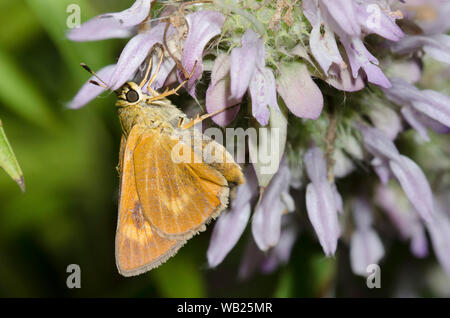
266, 151
221, 68
404, 219
301, 95
231, 224
227, 231
266, 224
365, 248
316, 166
311, 11
414, 184
218, 94
342, 79
439, 230
322, 213
263, 93
359, 57
385, 119
134, 54
385, 26
362, 214
419, 243
382, 169
99, 29
251, 260
402, 92
435, 105
437, 46
408, 70
320, 201
133, 15
377, 143
203, 26
281, 253
343, 165
244, 61
410, 116
324, 47
344, 15
89, 91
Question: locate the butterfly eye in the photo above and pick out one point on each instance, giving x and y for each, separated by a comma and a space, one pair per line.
132, 96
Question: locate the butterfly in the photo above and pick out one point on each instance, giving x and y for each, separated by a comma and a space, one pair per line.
164, 202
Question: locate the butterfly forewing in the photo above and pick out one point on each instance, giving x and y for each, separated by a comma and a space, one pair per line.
138, 247
177, 198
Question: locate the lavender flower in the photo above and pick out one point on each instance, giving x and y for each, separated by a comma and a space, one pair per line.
267, 262
321, 202
202, 26
303, 68
433, 106
410, 176
433, 41
365, 245
349, 20
248, 72
231, 224
404, 219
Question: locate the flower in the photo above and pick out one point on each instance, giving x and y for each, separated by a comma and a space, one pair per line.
267, 262
350, 21
303, 69
433, 41
321, 201
433, 106
231, 224
247, 71
365, 244
112, 25
407, 172
202, 25
266, 223
404, 219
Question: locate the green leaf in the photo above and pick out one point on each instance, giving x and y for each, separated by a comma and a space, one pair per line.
8, 160
95, 54
21, 95
22, 25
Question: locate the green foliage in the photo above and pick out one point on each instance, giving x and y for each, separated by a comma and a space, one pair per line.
8, 161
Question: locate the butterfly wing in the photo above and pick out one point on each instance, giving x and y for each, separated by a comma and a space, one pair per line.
138, 247
178, 199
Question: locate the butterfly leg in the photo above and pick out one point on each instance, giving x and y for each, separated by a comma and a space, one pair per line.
198, 119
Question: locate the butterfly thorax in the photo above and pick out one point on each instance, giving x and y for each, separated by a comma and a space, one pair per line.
136, 107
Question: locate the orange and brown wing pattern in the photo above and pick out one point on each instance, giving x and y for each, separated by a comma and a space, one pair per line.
138, 247
177, 198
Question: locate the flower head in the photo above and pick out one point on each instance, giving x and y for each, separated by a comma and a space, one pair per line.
341, 82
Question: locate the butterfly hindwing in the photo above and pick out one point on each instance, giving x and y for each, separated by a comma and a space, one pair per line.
138, 247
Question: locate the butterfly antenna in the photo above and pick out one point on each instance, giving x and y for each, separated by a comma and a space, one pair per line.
101, 83
147, 72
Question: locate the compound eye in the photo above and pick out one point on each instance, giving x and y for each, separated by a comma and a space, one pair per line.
132, 96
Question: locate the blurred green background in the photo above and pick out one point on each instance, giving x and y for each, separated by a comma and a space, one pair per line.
69, 211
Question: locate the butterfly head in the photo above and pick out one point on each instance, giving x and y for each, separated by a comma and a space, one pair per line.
129, 94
